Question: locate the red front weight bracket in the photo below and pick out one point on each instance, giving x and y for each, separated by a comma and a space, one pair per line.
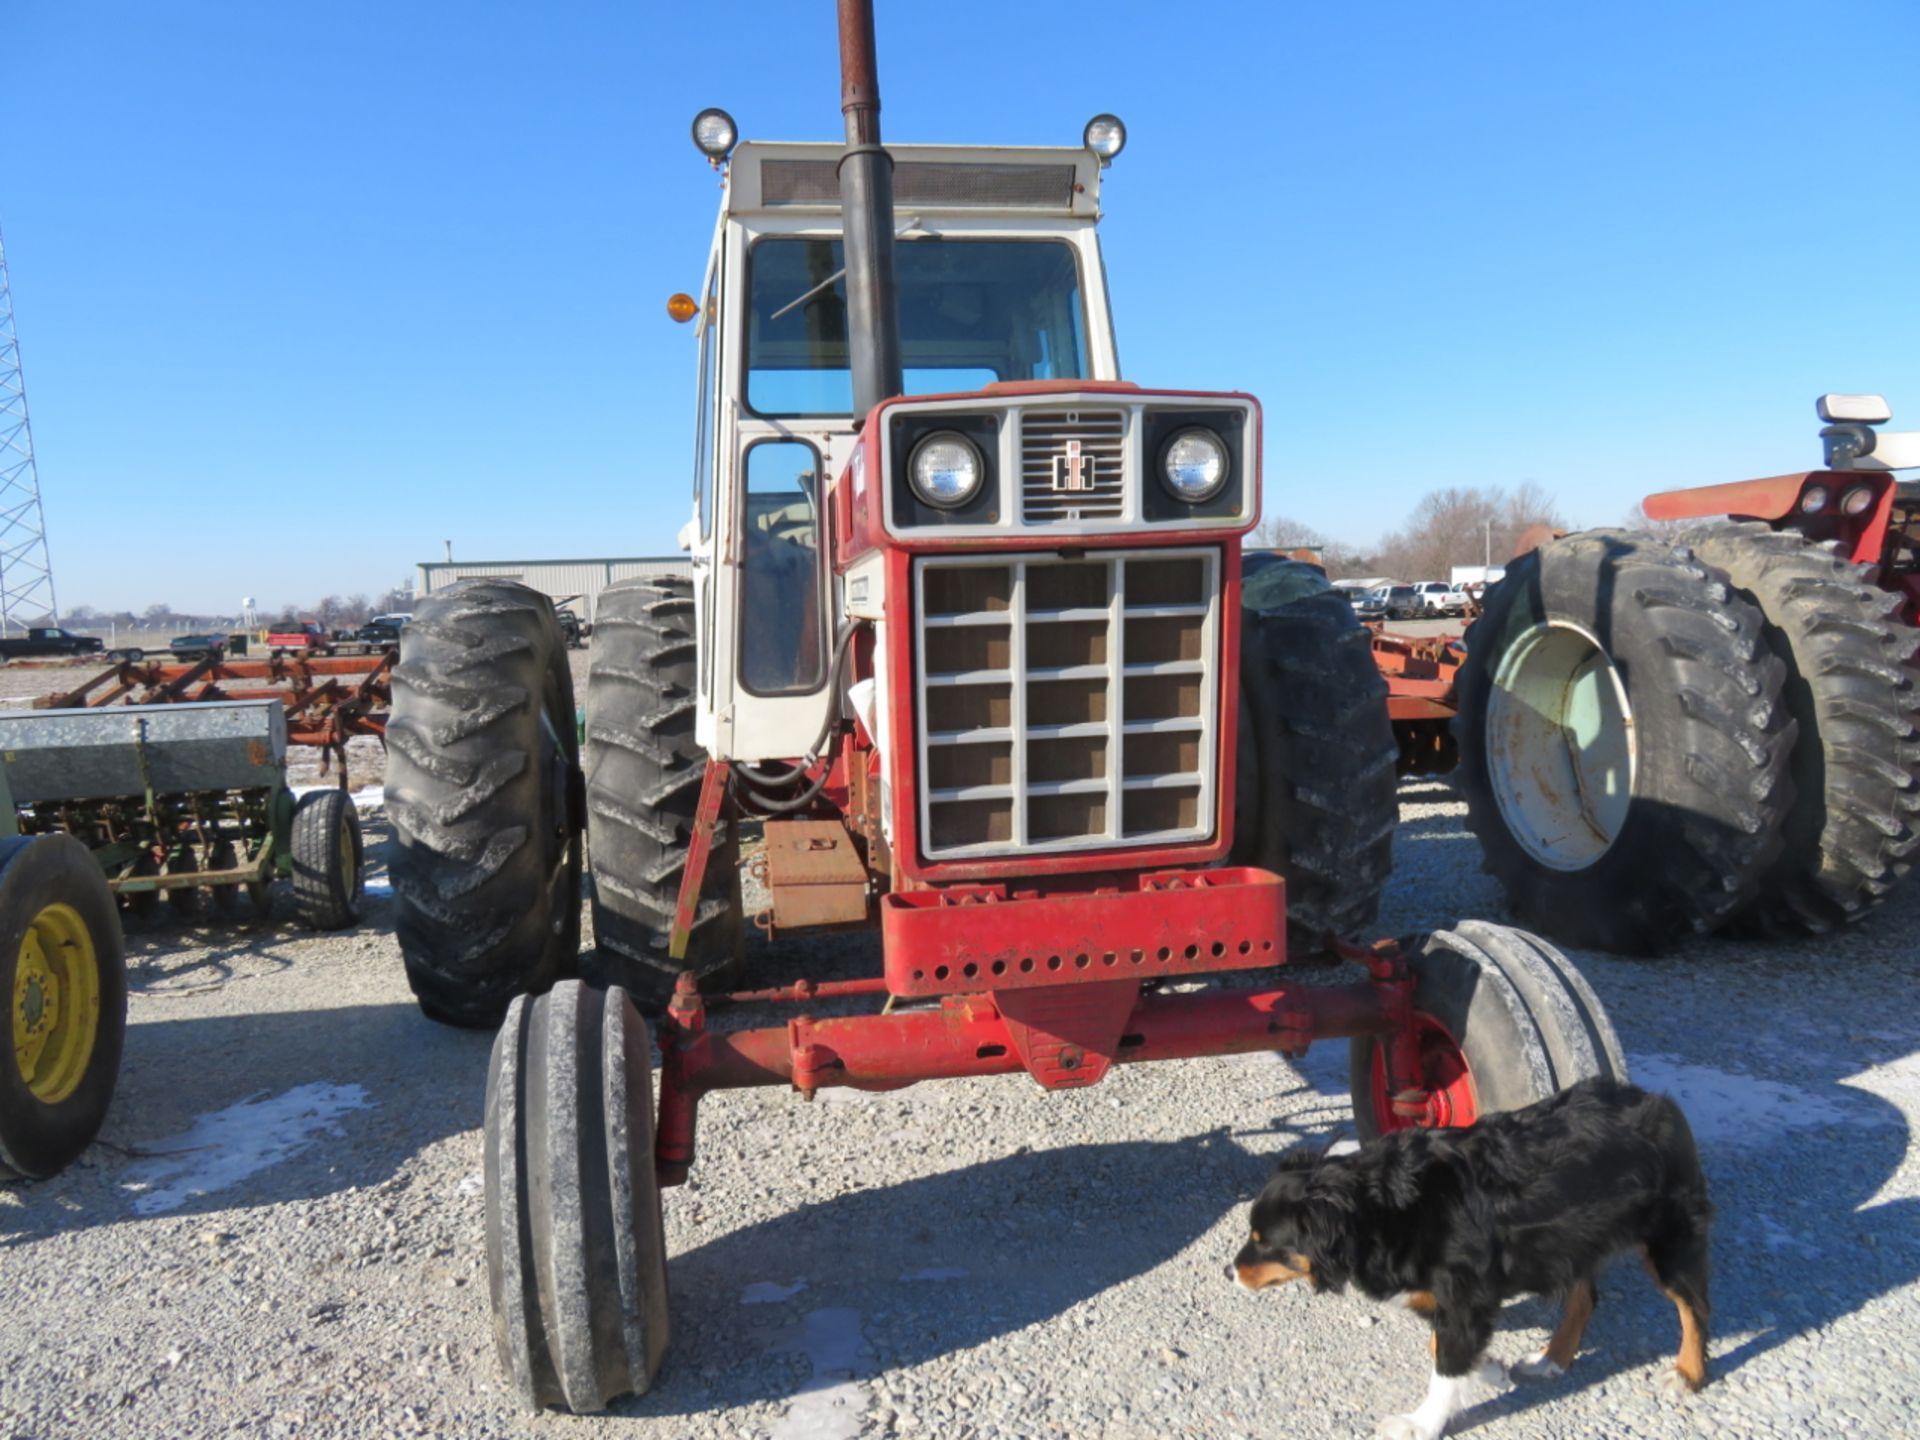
1168, 923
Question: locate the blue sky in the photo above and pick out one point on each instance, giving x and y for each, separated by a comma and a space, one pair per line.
304, 290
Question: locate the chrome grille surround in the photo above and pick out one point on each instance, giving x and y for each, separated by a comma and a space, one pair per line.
1066, 704
1116, 428
1073, 465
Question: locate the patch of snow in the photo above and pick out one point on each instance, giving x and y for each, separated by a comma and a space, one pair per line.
1726, 1108
770, 1292
227, 1146
833, 1402
377, 885
1897, 1081
935, 1272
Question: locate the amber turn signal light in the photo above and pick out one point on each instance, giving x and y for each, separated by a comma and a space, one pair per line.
682, 308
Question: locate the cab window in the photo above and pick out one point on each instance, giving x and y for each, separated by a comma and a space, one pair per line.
972, 311
782, 635
704, 424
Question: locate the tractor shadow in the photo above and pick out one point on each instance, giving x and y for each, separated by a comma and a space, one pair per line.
335, 1085
934, 1266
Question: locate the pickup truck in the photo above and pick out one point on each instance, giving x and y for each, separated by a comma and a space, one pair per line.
383, 629
214, 643
309, 635
49, 640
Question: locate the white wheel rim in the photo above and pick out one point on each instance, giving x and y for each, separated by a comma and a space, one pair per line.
1560, 745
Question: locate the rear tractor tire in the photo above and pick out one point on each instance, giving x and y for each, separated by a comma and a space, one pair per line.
1855, 821
1315, 797
1503, 1020
1623, 742
576, 1250
644, 772
63, 971
329, 860
482, 785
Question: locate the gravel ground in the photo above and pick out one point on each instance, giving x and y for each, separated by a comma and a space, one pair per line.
281, 1234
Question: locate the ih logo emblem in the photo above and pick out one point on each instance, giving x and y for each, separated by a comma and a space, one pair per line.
1073, 469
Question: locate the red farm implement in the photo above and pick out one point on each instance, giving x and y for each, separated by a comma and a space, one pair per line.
1420, 672
328, 699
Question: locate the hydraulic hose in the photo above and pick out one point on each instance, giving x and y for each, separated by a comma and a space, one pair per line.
759, 784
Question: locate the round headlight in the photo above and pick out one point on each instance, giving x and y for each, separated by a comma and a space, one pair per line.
946, 470
1194, 465
1105, 136
714, 132
1856, 500
1814, 500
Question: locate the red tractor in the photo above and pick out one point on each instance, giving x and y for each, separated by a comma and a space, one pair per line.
970, 648
1662, 736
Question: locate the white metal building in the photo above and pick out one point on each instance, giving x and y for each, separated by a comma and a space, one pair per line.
558, 578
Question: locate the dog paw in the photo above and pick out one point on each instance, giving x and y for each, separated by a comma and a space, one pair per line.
1403, 1427
1493, 1375
1536, 1367
1675, 1386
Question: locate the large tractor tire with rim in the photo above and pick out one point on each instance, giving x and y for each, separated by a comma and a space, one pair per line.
644, 771
1624, 742
329, 860
63, 972
1855, 820
1501, 1019
482, 787
1315, 792
576, 1249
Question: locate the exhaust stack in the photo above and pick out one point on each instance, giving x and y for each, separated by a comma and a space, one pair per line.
866, 211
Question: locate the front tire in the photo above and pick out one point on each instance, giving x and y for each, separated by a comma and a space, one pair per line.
1502, 1022
63, 970
1623, 742
481, 773
644, 772
1855, 820
1315, 798
576, 1250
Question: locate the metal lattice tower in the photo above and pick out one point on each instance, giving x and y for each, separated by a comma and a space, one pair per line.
26, 570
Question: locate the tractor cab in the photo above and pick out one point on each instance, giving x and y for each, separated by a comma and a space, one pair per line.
999, 282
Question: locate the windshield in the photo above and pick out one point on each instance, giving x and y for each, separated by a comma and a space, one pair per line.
971, 312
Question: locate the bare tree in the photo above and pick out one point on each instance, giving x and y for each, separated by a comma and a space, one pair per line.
1464, 525
1283, 532
1637, 518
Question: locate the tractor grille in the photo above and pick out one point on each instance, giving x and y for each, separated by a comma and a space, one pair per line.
1072, 465
1066, 704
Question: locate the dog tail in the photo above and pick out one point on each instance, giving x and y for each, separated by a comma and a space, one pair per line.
1666, 1125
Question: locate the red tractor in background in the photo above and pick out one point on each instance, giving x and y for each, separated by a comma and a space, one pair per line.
970, 646
1662, 736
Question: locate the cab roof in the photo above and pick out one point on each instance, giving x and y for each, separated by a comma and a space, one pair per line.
767, 177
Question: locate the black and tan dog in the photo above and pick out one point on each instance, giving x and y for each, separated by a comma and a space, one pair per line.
1454, 1222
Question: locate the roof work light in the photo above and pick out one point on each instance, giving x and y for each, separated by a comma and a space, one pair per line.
1105, 136
715, 133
